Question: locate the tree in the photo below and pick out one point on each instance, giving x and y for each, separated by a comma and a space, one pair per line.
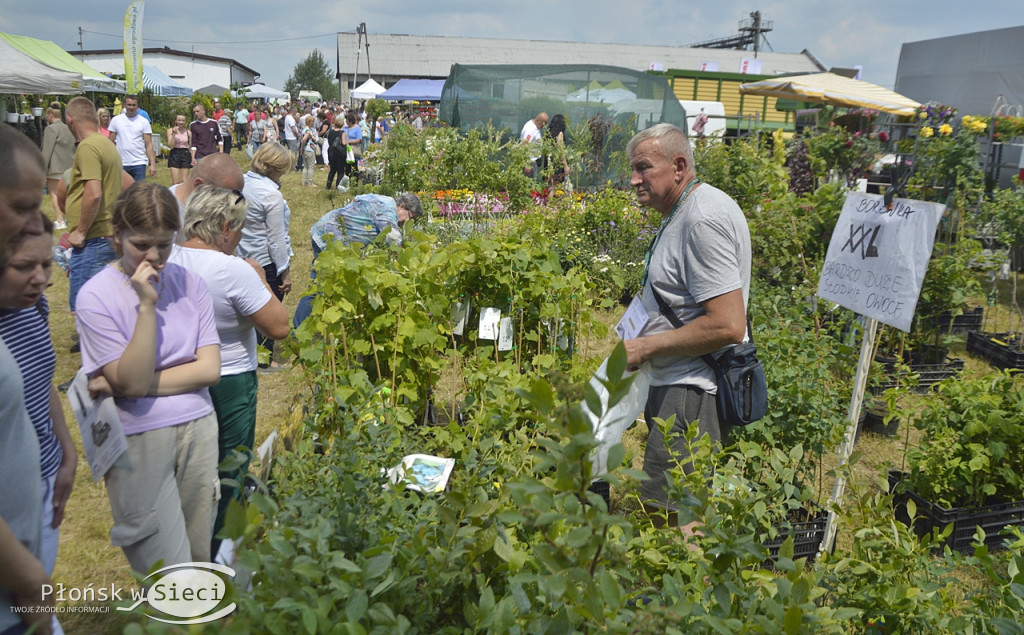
312, 73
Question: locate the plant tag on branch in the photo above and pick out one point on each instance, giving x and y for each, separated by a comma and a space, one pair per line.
489, 318
460, 315
505, 334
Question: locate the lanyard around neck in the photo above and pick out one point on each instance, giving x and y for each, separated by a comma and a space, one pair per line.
657, 237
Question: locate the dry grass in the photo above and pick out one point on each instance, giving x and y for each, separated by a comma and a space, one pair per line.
86, 556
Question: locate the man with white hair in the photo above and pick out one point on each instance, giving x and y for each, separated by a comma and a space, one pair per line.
698, 272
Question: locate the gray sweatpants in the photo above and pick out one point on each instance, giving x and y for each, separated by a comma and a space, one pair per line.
163, 494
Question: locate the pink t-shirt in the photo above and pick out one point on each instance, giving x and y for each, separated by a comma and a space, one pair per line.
106, 311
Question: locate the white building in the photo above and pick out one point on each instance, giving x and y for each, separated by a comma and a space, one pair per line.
194, 70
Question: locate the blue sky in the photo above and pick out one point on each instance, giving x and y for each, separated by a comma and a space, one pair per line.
271, 36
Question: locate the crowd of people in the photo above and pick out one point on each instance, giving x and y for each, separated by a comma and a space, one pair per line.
174, 289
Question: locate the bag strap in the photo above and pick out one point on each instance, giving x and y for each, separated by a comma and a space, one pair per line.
670, 315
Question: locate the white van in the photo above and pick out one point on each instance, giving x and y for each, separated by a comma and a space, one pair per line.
311, 95
715, 111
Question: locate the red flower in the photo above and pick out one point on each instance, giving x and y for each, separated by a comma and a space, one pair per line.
883, 136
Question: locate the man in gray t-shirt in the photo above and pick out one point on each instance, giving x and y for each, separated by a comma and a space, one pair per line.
699, 264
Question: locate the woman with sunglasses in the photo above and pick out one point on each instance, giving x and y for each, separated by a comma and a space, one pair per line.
242, 303
149, 339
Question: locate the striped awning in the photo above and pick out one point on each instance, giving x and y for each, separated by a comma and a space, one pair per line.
161, 84
836, 90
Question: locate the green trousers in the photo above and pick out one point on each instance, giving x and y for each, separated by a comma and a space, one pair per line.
234, 399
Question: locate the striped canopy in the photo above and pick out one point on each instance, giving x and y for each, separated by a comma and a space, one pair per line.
836, 90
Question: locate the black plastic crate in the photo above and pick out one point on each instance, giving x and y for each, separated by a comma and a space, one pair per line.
991, 518
1000, 356
965, 322
807, 536
927, 374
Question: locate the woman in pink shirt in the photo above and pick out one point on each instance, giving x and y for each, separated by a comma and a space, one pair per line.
104, 116
149, 339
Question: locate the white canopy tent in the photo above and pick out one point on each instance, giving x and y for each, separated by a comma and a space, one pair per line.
602, 95
162, 84
368, 90
50, 54
260, 91
22, 73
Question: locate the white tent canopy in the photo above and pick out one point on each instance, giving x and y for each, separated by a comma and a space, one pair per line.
260, 91
368, 90
602, 95
22, 73
162, 84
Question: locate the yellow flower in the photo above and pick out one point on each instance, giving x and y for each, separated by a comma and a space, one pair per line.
975, 125
926, 132
945, 130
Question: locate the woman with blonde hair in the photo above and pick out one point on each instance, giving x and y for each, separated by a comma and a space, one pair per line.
242, 302
149, 339
104, 116
265, 233
59, 154
179, 140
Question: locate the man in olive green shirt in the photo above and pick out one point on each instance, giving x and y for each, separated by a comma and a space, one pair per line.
95, 185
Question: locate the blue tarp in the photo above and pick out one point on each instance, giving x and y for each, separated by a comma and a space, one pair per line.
414, 90
162, 85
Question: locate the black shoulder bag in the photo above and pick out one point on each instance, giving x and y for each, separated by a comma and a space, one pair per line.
742, 388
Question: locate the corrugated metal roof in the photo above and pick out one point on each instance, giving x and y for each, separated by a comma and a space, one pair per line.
431, 56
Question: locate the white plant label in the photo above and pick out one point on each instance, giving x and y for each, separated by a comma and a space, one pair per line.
505, 334
488, 328
460, 315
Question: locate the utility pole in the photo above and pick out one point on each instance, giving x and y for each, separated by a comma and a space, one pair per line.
361, 32
81, 52
366, 42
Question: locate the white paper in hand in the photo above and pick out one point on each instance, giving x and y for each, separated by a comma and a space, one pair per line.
99, 424
633, 321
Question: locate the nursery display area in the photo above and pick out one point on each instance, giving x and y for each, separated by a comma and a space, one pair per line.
475, 341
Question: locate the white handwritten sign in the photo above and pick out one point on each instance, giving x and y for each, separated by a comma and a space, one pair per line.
878, 256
